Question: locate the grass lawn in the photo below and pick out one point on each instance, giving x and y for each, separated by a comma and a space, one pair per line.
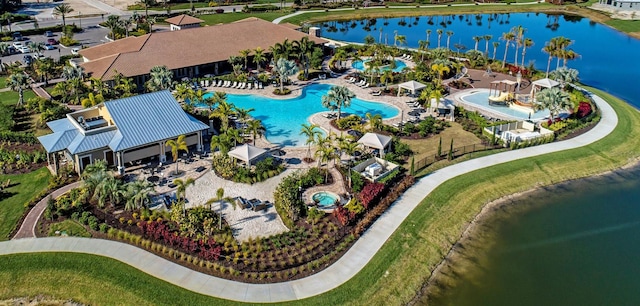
394, 274
11, 97
228, 18
24, 188
628, 26
3, 82
70, 228
429, 147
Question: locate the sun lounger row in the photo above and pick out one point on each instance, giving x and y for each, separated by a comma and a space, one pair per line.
376, 93
407, 57
238, 85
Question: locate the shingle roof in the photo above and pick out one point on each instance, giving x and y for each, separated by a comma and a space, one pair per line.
183, 19
191, 47
147, 119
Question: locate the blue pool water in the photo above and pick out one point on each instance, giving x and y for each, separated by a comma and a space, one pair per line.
325, 199
360, 66
283, 119
480, 99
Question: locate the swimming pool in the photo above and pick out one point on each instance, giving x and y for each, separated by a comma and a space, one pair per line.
325, 199
359, 65
480, 99
283, 119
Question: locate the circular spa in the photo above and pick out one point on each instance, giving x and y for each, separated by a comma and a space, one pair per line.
325, 199
361, 65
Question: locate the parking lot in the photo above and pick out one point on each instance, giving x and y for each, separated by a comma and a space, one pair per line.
90, 36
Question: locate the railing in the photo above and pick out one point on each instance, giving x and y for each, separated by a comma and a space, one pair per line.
457, 152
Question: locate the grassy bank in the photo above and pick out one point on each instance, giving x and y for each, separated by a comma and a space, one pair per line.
395, 273
23, 188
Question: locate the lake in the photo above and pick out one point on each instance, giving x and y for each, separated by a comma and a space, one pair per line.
573, 244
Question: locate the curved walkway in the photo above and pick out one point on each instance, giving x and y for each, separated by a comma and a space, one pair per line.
335, 275
28, 227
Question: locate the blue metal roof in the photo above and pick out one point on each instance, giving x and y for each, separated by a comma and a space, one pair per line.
61, 125
149, 118
58, 141
93, 142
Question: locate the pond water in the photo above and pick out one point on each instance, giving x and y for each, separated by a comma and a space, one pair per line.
608, 58
577, 245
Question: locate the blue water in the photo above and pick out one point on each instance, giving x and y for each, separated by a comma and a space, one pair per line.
400, 65
325, 199
283, 119
609, 59
481, 99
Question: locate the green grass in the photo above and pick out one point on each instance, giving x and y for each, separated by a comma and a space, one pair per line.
228, 18
394, 274
25, 187
627, 26
11, 97
70, 228
3, 82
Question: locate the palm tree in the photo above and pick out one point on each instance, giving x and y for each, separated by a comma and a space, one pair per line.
569, 55
160, 78
553, 99
526, 43
92, 100
551, 49
477, 39
183, 92
221, 142
281, 50
338, 96
495, 49
325, 154
518, 32
487, 38
428, 35
375, 121
440, 70
19, 81
565, 75
110, 189
44, 68
507, 37
256, 128
449, 34
180, 144
70, 72
147, 4
220, 198
439, 31
386, 77
304, 47
311, 131
126, 24
137, 194
63, 10
113, 23
285, 68
245, 55
181, 190
258, 57
222, 112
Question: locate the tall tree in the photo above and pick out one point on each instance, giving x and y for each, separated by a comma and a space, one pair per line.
177, 145
285, 68
18, 81
487, 38
507, 37
304, 47
256, 129
258, 57
138, 193
449, 34
311, 131
223, 110
160, 78
439, 31
526, 43
63, 10
553, 99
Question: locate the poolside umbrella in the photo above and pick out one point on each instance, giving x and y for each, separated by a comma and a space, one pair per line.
376, 141
247, 153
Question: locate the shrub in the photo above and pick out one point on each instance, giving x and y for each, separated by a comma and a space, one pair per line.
370, 193
104, 227
93, 222
348, 122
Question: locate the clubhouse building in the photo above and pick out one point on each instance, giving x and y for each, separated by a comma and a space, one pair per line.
122, 132
190, 52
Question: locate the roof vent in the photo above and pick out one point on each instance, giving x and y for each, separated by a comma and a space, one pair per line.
80, 119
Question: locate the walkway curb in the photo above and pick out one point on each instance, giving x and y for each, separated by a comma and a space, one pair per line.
335, 275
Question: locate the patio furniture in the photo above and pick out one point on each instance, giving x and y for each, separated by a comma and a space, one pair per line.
200, 169
243, 203
260, 206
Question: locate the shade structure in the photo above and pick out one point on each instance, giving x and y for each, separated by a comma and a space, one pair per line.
546, 83
247, 153
411, 86
375, 141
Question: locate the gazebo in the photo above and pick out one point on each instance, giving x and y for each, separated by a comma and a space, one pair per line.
540, 84
376, 141
502, 86
247, 153
411, 86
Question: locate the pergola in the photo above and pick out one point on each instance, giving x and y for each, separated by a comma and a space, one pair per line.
247, 153
540, 84
411, 86
502, 86
376, 141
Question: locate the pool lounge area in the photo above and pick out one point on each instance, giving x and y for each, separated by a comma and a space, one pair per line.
360, 65
478, 99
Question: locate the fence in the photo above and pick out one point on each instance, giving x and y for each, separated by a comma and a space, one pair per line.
457, 152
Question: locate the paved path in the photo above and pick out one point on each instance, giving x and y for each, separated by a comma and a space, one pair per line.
28, 227
344, 269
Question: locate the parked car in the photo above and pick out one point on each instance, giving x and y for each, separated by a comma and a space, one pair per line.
28, 59
48, 34
49, 47
52, 41
74, 51
17, 36
24, 49
18, 45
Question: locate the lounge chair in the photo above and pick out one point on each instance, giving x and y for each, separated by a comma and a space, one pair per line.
351, 80
255, 85
366, 85
227, 84
260, 206
249, 85
235, 85
242, 85
260, 85
376, 93
207, 83
219, 84
361, 82
202, 83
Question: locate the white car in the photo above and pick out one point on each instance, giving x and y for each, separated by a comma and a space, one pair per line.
18, 45
24, 49
74, 51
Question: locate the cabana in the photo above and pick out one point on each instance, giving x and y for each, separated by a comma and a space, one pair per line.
376, 141
247, 153
502, 86
411, 86
540, 84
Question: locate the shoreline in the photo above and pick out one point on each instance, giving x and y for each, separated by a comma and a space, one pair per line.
471, 230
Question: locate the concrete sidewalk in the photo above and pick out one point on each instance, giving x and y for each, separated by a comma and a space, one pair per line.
337, 274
